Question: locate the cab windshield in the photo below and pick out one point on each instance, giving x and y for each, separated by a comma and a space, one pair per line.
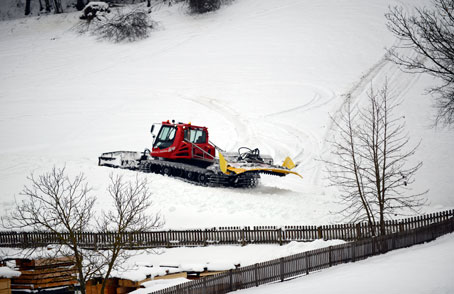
165, 137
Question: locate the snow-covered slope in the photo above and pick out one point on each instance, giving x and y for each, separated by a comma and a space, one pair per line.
421, 269
258, 73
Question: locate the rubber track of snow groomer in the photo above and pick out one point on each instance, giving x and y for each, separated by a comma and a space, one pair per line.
199, 176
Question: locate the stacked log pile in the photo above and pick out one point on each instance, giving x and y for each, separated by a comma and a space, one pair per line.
48, 275
5, 286
94, 286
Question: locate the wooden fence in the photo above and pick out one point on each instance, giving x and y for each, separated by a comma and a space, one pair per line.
223, 235
304, 263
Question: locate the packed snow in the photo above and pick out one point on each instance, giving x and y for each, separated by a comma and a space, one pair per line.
213, 258
159, 262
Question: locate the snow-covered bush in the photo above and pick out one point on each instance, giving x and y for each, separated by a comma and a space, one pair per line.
126, 26
202, 6
120, 24
94, 9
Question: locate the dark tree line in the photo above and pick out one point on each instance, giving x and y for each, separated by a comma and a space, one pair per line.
196, 6
46, 5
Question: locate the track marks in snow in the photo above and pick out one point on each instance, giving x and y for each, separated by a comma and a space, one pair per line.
382, 71
307, 144
274, 136
321, 96
258, 13
243, 127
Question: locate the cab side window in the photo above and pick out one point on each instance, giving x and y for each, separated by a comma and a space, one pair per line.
197, 136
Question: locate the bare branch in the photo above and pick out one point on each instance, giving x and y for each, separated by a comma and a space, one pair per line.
54, 202
430, 35
371, 167
130, 214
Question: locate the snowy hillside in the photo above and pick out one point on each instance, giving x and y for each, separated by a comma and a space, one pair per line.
257, 73
421, 269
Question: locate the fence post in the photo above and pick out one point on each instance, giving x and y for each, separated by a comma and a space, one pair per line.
319, 232
452, 224
205, 238
167, 235
373, 245
25, 237
243, 241
231, 280
204, 281
330, 261
353, 249
306, 257
358, 231
95, 239
256, 273
280, 236
281, 263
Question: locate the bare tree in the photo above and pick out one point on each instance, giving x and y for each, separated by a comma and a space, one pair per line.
61, 205
58, 8
430, 34
129, 215
370, 167
56, 203
48, 6
27, 7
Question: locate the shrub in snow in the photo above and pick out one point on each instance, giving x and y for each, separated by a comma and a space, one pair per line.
93, 9
127, 26
202, 6
123, 24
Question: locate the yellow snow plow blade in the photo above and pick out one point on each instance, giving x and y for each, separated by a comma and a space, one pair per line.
238, 168
288, 163
223, 164
277, 171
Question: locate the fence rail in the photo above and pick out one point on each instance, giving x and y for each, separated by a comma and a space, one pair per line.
223, 235
304, 263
